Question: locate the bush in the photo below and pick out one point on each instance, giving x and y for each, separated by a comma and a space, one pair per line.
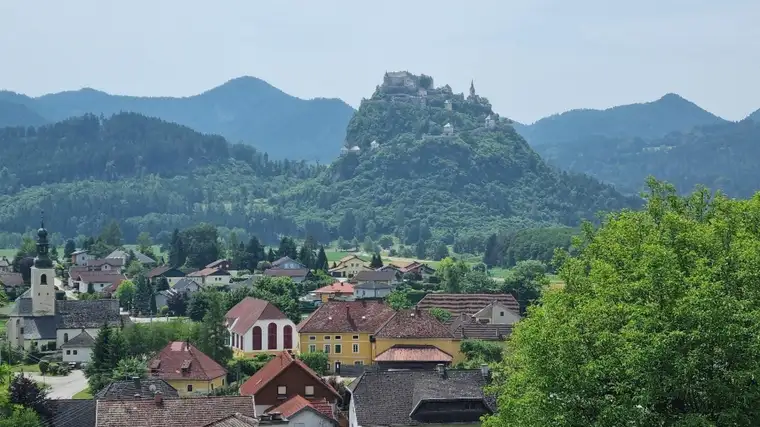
163, 311
44, 366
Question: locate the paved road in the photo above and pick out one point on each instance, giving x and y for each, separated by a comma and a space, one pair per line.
69, 293
62, 387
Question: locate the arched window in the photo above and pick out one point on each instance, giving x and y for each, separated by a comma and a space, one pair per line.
287, 332
43, 279
66, 337
272, 336
257, 338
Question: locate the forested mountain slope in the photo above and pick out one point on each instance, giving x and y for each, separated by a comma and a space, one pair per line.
655, 119
400, 169
245, 109
721, 157
18, 114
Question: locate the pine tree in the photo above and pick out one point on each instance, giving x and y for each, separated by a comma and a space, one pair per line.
153, 308
143, 294
270, 255
254, 253
69, 249
491, 255
177, 254
108, 350
421, 249
213, 336
376, 262
322, 260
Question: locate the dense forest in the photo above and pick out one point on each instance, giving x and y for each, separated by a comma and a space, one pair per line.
245, 109
155, 176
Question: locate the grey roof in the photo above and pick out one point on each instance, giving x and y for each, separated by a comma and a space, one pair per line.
128, 389
373, 285
384, 398
83, 340
40, 328
87, 314
285, 260
23, 305
71, 413
186, 285
370, 275
139, 256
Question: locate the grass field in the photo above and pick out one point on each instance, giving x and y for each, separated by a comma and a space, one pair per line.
84, 394
25, 368
8, 253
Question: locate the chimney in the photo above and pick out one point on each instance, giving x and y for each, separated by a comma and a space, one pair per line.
138, 388
485, 371
441, 368
158, 398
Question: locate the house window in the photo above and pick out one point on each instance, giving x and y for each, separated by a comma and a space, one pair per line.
501, 313
256, 338
282, 391
75, 352
355, 337
312, 338
358, 363
189, 387
338, 348
212, 386
337, 337
66, 337
327, 337
68, 352
355, 348
272, 336
312, 348
309, 391
287, 333
222, 381
22, 330
327, 348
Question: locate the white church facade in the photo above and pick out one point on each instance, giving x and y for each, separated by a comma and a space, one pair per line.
38, 319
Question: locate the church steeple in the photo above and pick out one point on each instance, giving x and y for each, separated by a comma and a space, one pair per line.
42, 260
472, 88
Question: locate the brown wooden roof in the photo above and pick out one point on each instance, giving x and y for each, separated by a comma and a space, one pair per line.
281, 362
347, 316
184, 412
413, 323
457, 304
168, 363
414, 353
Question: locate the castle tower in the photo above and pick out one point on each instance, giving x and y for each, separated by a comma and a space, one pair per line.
43, 277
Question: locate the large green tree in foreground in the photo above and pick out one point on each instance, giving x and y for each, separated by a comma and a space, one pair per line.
657, 325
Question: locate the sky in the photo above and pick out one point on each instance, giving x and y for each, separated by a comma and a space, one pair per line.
530, 58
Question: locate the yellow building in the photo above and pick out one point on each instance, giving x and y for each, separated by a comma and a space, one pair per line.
421, 334
349, 266
344, 330
187, 369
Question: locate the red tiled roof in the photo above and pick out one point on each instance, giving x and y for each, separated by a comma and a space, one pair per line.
413, 323
274, 368
414, 353
172, 412
415, 266
286, 272
158, 271
206, 272
11, 279
336, 288
175, 354
100, 277
347, 316
457, 304
248, 311
297, 403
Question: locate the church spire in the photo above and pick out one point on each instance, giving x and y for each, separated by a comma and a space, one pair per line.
42, 260
472, 88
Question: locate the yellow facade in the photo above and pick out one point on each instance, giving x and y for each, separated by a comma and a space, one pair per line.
354, 347
198, 386
450, 346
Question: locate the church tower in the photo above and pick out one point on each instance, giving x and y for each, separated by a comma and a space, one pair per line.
43, 277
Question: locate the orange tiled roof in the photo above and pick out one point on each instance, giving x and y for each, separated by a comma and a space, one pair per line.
336, 288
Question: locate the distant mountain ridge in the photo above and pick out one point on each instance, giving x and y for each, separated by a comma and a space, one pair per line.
655, 119
244, 109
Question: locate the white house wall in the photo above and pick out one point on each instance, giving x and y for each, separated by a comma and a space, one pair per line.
307, 418
83, 354
72, 333
264, 324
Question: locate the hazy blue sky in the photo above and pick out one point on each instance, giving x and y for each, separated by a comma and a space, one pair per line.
531, 58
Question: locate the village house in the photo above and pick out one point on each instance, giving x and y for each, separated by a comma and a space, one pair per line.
185, 286
287, 263
171, 274
211, 277
412, 329
187, 369
372, 290
476, 316
223, 264
301, 412
416, 268
80, 257
143, 388
5, 265
384, 277
114, 265
283, 378
124, 256
344, 330
101, 281
339, 290
296, 275
448, 129
412, 356
257, 326
79, 348
349, 266
12, 282
37, 318
412, 397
